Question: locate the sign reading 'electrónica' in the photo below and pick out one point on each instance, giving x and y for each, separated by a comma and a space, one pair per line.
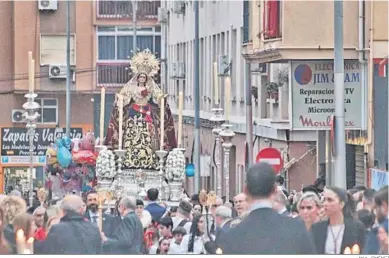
313, 95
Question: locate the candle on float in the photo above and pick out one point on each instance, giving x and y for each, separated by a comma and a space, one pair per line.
180, 110
30, 73
162, 119
20, 241
120, 106
101, 202
355, 249
347, 250
102, 113
215, 84
31, 77
227, 100
30, 245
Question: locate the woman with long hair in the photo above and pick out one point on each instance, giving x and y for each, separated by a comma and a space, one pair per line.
193, 243
340, 230
308, 209
4, 247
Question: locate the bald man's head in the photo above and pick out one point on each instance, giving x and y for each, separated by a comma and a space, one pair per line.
72, 203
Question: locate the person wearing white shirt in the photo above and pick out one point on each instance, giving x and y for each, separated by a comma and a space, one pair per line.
175, 244
193, 243
182, 217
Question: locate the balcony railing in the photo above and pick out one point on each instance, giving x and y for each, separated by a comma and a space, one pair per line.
112, 74
147, 10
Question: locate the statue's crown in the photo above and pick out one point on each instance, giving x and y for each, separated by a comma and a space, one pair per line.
144, 62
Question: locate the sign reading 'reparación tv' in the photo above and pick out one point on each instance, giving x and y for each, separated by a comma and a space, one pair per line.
15, 141
313, 95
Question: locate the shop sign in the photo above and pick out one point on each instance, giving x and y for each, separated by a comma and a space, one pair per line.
313, 95
15, 141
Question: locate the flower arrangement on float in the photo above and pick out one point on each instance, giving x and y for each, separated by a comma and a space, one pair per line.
175, 166
105, 164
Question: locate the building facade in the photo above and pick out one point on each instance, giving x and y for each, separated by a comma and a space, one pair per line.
222, 33
32, 26
289, 31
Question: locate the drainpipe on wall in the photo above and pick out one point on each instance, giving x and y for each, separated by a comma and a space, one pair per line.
370, 133
362, 61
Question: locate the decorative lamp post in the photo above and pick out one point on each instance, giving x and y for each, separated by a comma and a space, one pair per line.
161, 155
227, 134
119, 186
218, 119
31, 115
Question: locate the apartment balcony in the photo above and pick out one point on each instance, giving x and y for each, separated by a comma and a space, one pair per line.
112, 75
297, 30
119, 10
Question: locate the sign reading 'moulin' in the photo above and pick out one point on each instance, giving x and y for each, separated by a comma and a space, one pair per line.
15, 141
313, 95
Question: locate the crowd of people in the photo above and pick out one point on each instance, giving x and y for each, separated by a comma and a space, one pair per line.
265, 219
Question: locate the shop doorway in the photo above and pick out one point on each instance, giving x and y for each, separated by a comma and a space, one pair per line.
18, 177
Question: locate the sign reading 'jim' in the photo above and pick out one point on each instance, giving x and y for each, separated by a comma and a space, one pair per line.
313, 95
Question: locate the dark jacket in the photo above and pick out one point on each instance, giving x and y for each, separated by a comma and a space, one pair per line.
156, 210
128, 237
73, 235
264, 231
107, 223
354, 233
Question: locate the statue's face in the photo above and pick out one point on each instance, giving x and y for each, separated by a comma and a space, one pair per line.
142, 78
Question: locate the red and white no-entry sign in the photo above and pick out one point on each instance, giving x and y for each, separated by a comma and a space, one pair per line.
272, 157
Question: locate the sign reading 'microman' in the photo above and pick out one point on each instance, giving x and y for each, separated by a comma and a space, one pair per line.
313, 95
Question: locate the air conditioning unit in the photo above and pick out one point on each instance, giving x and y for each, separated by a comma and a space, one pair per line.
181, 70
162, 15
173, 71
57, 71
179, 7
17, 116
48, 5
223, 65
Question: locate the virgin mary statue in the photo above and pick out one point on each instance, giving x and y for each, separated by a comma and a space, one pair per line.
141, 116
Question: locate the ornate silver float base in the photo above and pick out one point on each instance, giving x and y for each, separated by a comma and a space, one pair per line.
104, 183
175, 191
131, 185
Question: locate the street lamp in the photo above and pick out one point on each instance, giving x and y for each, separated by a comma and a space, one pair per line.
31, 115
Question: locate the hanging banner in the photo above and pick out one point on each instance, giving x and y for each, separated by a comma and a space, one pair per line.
313, 95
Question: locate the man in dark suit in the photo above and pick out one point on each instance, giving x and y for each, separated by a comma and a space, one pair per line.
279, 203
223, 218
264, 231
128, 237
73, 235
92, 213
156, 210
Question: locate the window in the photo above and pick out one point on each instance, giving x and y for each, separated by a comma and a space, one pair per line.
107, 47
246, 21
271, 19
48, 111
53, 49
117, 44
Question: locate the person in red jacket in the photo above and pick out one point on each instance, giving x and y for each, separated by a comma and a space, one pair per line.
40, 218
